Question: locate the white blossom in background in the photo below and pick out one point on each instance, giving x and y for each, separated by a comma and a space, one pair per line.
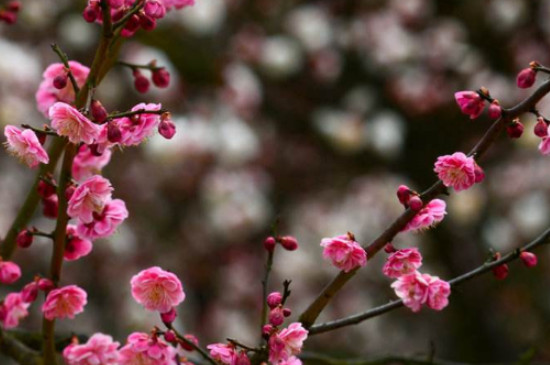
312, 26
385, 133
205, 17
281, 56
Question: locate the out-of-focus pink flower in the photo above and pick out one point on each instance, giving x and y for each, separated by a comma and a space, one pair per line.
87, 164
157, 290
167, 128
178, 4
47, 94
222, 352
287, 342
412, 289
76, 246
293, 360
544, 145
402, 262
69, 122
9, 272
154, 9
25, 145
470, 103
98, 350
90, 197
438, 292
64, 302
526, 78
427, 217
142, 349
13, 310
495, 111
456, 170
344, 252
105, 223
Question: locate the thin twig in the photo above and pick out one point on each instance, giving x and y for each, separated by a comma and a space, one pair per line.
134, 66
43, 131
200, 350
63, 57
487, 266
135, 112
268, 266
309, 316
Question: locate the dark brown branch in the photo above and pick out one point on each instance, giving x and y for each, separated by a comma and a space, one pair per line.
18, 351
487, 266
309, 316
136, 112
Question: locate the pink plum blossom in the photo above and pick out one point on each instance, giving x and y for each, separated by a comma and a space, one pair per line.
431, 214
224, 353
64, 302
25, 145
438, 293
76, 246
157, 290
456, 170
526, 78
47, 94
69, 122
142, 349
13, 310
544, 145
9, 272
402, 262
90, 197
415, 289
293, 360
87, 164
286, 343
139, 127
470, 103
98, 350
344, 252
105, 223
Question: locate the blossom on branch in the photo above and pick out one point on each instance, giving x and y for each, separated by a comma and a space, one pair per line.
25, 145
430, 215
402, 262
100, 349
157, 289
457, 170
86, 163
286, 343
105, 223
69, 122
344, 252
416, 288
143, 349
470, 103
64, 302
90, 197
76, 246
12, 310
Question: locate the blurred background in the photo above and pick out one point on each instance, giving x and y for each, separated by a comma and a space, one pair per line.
312, 112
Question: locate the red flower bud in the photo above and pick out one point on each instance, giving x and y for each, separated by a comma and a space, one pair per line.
166, 128
529, 259
514, 129
24, 238
13, 6
276, 316
526, 78
60, 81
495, 111
50, 206
169, 317
161, 77
289, 243
403, 194
274, 299
45, 284
287, 312
191, 338
91, 13
98, 112
269, 244
389, 248
170, 336
45, 189
147, 23
541, 128
141, 83
114, 134
500, 272
415, 203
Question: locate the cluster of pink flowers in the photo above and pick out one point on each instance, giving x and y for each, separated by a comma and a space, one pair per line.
100, 349
344, 252
402, 262
458, 170
286, 343
416, 289
157, 289
146, 18
227, 354
142, 348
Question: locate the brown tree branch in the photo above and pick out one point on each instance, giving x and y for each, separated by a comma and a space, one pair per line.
309, 316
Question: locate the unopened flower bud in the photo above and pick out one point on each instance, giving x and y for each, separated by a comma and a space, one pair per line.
114, 134
24, 238
69, 191
289, 243
541, 128
389, 248
50, 206
415, 203
45, 189
132, 24
276, 316
98, 112
170, 336
191, 338
154, 9
161, 77
45, 284
41, 137
169, 317
8, 16
403, 194
287, 312
60, 81
166, 128
500, 272
147, 23
514, 129
495, 111
266, 330
529, 259
141, 83
526, 78
274, 299
91, 13
269, 243
29, 292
